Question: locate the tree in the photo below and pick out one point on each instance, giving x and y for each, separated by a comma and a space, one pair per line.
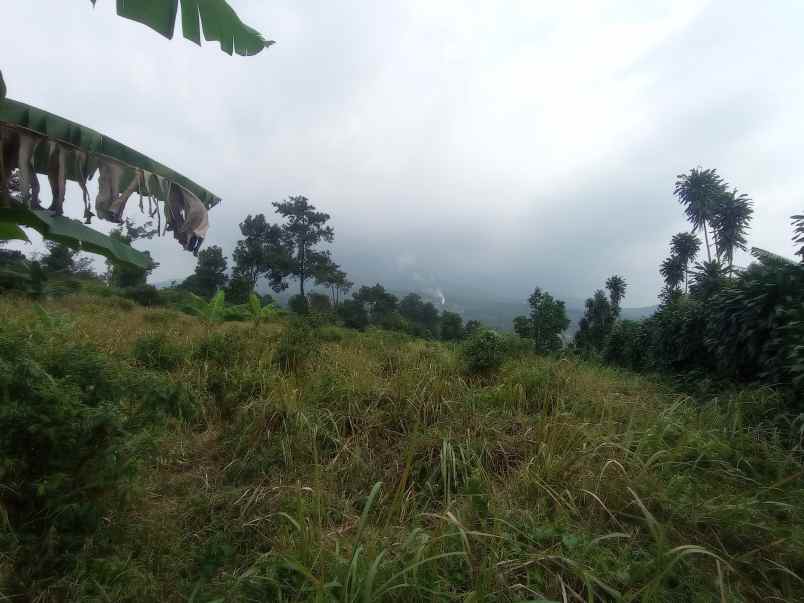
330, 275
238, 290
698, 192
451, 326
798, 234
616, 287
124, 275
210, 273
708, 278
353, 314
730, 219
261, 253
547, 320
596, 322
304, 228
672, 271
423, 315
379, 304
471, 327
59, 259
685, 247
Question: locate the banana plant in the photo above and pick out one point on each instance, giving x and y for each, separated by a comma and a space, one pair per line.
259, 312
209, 311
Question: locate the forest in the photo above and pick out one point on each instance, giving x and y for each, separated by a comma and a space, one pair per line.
270, 428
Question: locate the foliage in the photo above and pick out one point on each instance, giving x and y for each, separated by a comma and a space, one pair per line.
376, 463
673, 271
616, 287
730, 218
684, 248
798, 234
259, 312
210, 311
125, 274
699, 192
261, 253
424, 318
303, 230
483, 352
158, 351
144, 295
708, 278
60, 441
216, 18
297, 345
547, 320
210, 273
298, 304
451, 326
596, 323
353, 314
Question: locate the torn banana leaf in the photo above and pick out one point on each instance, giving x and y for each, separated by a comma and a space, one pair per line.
99, 146
216, 18
73, 234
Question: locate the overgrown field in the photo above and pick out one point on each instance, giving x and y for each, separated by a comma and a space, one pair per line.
146, 455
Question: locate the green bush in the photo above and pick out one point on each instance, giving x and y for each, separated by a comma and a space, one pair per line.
154, 396
627, 345
157, 351
298, 343
144, 295
222, 348
60, 447
483, 352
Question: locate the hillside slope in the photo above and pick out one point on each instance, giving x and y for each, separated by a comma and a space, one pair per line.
320, 464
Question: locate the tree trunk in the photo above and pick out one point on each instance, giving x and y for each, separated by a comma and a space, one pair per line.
706, 238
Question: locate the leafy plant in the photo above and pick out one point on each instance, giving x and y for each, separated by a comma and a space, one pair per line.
259, 312
483, 352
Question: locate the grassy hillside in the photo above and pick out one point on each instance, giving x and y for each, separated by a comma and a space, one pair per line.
280, 462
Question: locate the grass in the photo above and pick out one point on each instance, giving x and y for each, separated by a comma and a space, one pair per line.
372, 467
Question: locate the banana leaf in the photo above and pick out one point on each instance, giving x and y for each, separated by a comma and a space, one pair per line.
53, 127
218, 20
73, 234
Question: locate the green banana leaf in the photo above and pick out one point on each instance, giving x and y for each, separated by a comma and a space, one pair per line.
12, 232
218, 20
96, 144
73, 234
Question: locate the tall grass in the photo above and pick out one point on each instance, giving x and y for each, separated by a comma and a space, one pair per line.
346, 466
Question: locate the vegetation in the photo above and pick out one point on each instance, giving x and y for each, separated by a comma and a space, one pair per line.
297, 461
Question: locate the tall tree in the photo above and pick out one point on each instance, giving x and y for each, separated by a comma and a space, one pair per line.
596, 323
261, 253
685, 247
379, 304
798, 234
708, 278
672, 271
330, 276
547, 320
699, 192
210, 273
730, 219
304, 229
616, 287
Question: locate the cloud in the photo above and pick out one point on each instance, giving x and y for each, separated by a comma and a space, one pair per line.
497, 145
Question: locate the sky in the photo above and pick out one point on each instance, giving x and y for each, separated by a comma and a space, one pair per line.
457, 144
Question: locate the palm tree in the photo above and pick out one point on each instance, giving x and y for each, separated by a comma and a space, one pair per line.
616, 286
698, 192
798, 234
730, 218
672, 270
685, 247
708, 279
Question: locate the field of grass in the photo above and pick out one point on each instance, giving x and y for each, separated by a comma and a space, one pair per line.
322, 464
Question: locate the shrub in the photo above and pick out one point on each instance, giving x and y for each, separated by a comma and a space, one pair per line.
60, 440
157, 351
483, 352
156, 396
298, 304
144, 295
222, 348
353, 314
627, 345
296, 345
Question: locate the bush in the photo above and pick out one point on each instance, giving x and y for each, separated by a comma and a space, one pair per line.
155, 396
483, 352
144, 295
627, 345
222, 348
296, 345
298, 305
353, 314
157, 351
60, 447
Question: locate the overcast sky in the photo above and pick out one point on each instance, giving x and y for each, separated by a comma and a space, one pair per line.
496, 145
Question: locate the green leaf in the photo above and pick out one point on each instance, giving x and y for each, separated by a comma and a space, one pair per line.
218, 20
254, 305
74, 234
9, 232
